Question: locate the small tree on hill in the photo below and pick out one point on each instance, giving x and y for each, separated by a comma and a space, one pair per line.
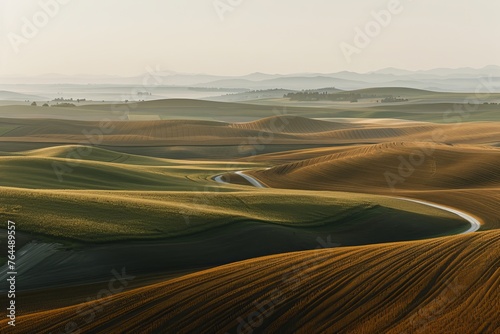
34, 104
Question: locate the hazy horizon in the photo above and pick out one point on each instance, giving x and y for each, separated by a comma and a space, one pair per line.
122, 38
172, 72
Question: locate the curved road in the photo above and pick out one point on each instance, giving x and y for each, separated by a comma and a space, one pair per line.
473, 221
254, 182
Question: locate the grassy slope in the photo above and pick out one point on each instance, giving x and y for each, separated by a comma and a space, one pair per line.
85, 167
151, 198
100, 216
433, 286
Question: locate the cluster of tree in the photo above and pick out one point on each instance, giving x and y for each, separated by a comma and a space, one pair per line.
64, 105
61, 99
392, 99
44, 105
266, 90
324, 96
215, 89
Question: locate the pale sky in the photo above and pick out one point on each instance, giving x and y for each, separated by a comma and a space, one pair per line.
124, 37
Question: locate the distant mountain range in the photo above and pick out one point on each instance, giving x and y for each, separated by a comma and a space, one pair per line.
439, 79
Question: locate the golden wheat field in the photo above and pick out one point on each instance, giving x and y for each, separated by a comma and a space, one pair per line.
414, 287
283, 224
248, 167
282, 130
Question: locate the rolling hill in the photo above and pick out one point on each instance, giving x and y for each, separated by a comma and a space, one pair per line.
460, 176
401, 165
430, 107
276, 130
121, 204
432, 286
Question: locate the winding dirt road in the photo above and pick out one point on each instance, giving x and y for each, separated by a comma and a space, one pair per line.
473, 221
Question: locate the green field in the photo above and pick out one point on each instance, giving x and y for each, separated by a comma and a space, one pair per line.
422, 106
111, 196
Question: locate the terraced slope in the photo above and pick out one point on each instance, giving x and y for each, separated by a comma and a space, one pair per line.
446, 285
